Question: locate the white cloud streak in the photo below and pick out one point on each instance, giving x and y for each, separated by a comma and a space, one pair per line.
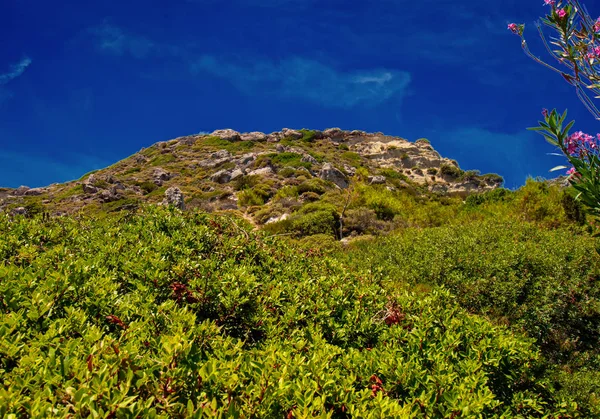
307, 79
111, 39
15, 71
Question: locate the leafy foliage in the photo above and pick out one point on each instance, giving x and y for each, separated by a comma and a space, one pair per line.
164, 314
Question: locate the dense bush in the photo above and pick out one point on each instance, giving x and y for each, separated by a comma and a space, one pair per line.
163, 314
450, 171
544, 282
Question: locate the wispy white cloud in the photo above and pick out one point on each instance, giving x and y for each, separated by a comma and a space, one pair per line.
309, 80
15, 71
112, 39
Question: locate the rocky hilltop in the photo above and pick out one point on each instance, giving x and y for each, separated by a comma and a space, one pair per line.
281, 171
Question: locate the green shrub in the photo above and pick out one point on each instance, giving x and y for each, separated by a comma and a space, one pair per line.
163, 314
287, 159
287, 192
246, 182
148, 187
343, 147
318, 186
450, 171
540, 281
162, 159
493, 178
351, 157
573, 208
309, 136
432, 171
287, 172
249, 197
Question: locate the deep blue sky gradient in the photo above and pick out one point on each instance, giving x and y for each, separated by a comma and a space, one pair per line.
84, 84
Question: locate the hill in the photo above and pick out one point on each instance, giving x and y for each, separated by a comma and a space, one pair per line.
267, 177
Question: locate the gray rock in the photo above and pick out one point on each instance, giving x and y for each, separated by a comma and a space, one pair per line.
174, 196
331, 174
290, 133
335, 134
265, 171
222, 176
246, 159
351, 170
20, 191
189, 140
35, 191
139, 158
274, 137
221, 154
160, 175
89, 189
227, 134
211, 163
237, 173
307, 158
109, 196
377, 180
254, 136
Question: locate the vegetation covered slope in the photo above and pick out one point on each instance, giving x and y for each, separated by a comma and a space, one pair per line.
167, 314
265, 177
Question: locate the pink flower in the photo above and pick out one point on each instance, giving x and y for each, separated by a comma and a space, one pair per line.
513, 28
562, 13
597, 25
545, 112
597, 51
549, 2
571, 171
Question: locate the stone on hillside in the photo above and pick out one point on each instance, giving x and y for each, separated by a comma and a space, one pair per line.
89, 189
21, 190
110, 196
331, 174
265, 171
237, 173
335, 134
438, 188
139, 158
174, 196
254, 136
274, 137
351, 170
307, 158
160, 175
246, 159
35, 191
290, 133
227, 134
222, 176
189, 140
377, 180
221, 154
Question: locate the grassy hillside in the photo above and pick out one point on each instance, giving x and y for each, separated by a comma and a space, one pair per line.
483, 308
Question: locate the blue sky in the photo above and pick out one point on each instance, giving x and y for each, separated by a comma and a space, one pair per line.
84, 84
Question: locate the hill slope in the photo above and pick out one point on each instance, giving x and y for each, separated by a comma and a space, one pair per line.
277, 173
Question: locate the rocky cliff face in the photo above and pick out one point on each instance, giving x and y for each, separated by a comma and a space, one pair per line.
232, 170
